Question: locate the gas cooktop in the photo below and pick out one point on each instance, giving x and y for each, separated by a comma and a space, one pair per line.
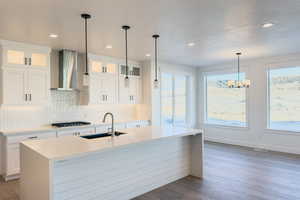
67, 124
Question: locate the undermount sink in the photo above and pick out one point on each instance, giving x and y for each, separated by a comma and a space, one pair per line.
100, 135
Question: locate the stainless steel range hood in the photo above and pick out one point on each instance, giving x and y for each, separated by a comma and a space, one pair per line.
68, 71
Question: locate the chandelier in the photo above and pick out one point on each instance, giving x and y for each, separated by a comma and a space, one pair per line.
245, 83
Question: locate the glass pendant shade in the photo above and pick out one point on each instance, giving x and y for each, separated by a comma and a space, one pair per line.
156, 84
245, 83
126, 82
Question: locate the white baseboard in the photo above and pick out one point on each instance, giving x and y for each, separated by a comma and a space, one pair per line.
283, 149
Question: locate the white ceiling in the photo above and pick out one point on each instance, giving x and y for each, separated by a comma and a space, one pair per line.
218, 27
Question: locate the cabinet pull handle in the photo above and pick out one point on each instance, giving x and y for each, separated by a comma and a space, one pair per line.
25, 97
33, 137
29, 97
105, 97
29, 61
25, 61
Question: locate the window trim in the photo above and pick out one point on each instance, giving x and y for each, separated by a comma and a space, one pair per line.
205, 122
187, 78
275, 66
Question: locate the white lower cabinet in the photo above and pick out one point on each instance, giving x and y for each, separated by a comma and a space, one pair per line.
76, 132
137, 124
10, 145
11, 152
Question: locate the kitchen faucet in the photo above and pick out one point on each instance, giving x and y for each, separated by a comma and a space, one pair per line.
112, 122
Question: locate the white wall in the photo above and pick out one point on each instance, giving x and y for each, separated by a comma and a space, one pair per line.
256, 135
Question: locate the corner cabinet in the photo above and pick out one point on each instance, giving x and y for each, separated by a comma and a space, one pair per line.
131, 93
25, 74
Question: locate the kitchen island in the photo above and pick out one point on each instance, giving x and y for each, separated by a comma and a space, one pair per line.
120, 167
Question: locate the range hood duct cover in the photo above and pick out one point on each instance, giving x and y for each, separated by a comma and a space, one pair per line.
68, 71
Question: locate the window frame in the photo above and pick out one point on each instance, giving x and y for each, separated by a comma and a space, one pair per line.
205, 122
274, 66
187, 79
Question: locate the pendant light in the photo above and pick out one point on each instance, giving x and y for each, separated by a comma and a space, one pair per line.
125, 28
155, 59
86, 73
238, 83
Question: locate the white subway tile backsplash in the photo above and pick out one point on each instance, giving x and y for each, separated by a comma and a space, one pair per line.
63, 107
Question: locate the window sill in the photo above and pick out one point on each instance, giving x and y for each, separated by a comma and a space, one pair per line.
282, 132
223, 126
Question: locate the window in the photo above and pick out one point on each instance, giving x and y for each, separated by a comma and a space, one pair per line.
173, 99
225, 106
284, 99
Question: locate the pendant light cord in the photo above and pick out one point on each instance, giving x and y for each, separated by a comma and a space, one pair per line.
155, 59
125, 28
238, 55
238, 68
86, 17
126, 53
86, 46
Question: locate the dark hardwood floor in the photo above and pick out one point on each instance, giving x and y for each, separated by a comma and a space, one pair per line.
237, 173
231, 173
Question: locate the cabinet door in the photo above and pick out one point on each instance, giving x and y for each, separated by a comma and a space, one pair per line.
13, 159
38, 59
109, 88
95, 97
103, 89
14, 58
38, 87
133, 88
14, 83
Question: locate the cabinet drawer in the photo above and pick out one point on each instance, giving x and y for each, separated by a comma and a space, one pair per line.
20, 138
137, 124
76, 132
103, 129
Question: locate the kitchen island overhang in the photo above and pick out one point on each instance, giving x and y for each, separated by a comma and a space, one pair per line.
121, 167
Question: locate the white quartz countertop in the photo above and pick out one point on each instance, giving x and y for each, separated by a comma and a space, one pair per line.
70, 146
52, 128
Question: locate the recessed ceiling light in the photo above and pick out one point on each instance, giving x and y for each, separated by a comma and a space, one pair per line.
267, 25
148, 55
191, 44
52, 35
108, 47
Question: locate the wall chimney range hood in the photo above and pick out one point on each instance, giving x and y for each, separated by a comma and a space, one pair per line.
68, 71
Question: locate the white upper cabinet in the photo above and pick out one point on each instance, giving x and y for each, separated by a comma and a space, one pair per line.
14, 57
37, 87
103, 80
38, 59
25, 74
13, 86
22, 55
100, 67
132, 93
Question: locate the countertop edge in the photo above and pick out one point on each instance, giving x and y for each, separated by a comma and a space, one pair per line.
75, 155
50, 128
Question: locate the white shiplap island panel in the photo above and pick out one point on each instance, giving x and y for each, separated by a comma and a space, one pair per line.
119, 168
